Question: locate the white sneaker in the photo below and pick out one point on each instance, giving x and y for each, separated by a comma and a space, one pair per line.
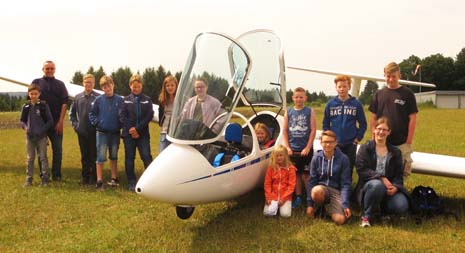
365, 222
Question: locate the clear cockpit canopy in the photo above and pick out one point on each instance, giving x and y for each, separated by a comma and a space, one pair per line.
209, 89
266, 78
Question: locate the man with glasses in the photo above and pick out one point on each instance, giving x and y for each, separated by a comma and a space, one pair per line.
330, 180
54, 92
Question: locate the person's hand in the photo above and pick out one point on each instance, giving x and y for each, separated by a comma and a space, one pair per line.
59, 127
391, 191
133, 132
305, 151
281, 202
347, 213
310, 211
289, 151
267, 202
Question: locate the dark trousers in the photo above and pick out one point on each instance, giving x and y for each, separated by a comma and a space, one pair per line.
143, 145
350, 151
88, 148
57, 153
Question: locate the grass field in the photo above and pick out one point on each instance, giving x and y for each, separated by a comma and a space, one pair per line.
66, 217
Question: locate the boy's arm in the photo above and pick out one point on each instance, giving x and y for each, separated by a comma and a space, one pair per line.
373, 120
23, 118
411, 127
286, 134
326, 119
362, 123
311, 136
73, 115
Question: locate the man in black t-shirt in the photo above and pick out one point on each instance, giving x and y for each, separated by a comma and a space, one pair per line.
399, 105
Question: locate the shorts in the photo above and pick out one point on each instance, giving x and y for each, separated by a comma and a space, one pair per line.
302, 163
406, 150
334, 204
110, 142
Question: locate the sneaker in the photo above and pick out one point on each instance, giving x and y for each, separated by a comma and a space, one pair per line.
365, 222
99, 186
45, 182
28, 183
297, 202
132, 187
57, 179
113, 182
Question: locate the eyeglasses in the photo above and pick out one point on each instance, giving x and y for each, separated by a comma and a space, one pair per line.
382, 129
328, 142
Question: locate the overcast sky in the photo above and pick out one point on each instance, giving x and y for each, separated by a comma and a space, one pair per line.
351, 36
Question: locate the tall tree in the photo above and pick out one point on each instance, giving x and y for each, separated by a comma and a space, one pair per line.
367, 94
77, 78
121, 78
439, 70
150, 79
98, 74
459, 75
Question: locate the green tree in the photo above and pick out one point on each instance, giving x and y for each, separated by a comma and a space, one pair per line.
408, 66
150, 79
367, 94
459, 75
77, 78
121, 78
439, 70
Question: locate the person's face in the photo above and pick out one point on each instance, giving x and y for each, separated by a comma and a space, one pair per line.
280, 158
136, 87
261, 135
392, 79
299, 98
382, 131
171, 88
34, 95
108, 90
49, 69
200, 89
328, 143
89, 84
342, 88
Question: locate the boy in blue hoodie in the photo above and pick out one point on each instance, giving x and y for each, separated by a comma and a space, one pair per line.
342, 113
36, 119
104, 116
330, 180
135, 115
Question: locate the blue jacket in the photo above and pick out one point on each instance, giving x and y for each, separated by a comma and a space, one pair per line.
104, 113
36, 119
341, 118
130, 116
335, 173
79, 113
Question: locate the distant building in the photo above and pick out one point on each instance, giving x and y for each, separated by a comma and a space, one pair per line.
452, 99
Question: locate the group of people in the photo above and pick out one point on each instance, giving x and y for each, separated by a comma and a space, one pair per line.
100, 121
382, 163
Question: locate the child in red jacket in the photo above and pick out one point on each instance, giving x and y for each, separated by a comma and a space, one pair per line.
279, 183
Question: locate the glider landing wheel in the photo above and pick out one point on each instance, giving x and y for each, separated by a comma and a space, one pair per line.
184, 212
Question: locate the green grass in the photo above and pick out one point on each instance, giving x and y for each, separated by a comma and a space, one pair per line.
69, 218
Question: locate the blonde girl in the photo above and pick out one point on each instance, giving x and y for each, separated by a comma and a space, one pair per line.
165, 109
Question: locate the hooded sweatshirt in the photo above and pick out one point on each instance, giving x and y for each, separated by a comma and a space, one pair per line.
334, 172
341, 118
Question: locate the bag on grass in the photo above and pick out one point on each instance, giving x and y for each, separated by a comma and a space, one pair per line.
425, 201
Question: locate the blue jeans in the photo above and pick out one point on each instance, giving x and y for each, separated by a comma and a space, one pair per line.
57, 152
107, 141
164, 142
374, 195
143, 145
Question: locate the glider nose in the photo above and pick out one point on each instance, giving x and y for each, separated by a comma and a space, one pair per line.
164, 179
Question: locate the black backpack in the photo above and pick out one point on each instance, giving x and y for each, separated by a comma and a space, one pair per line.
425, 201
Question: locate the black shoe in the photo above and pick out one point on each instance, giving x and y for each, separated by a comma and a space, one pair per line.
113, 182
57, 179
99, 186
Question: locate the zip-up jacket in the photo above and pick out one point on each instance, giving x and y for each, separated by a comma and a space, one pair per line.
335, 173
342, 117
104, 113
54, 92
36, 119
366, 167
136, 111
79, 113
280, 184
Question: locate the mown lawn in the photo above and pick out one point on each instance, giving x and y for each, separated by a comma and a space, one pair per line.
66, 217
